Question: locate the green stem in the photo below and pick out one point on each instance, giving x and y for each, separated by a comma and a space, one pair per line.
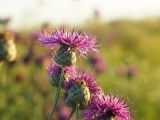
77, 110
73, 110
57, 94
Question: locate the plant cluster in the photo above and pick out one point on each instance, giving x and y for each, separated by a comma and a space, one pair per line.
81, 89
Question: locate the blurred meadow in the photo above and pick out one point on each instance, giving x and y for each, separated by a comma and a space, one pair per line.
127, 65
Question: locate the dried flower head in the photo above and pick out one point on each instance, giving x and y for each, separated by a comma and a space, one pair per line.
107, 108
7, 47
80, 89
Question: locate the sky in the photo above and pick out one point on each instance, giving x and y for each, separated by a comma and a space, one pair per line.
31, 12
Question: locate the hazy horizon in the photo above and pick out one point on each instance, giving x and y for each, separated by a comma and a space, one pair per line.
32, 12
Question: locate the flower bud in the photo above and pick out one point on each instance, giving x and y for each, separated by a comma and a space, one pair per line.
54, 80
65, 56
79, 93
54, 71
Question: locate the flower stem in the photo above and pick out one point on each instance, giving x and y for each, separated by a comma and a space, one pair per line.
57, 94
77, 110
73, 110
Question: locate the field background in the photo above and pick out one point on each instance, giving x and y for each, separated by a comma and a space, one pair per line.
130, 51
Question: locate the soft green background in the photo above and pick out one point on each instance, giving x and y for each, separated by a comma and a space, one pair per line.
120, 43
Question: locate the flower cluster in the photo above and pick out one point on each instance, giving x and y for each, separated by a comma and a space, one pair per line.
81, 90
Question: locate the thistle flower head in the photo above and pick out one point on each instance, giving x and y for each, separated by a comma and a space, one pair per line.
80, 90
74, 40
86, 78
97, 62
107, 108
54, 71
65, 56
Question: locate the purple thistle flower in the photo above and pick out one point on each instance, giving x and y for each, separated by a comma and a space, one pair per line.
89, 79
54, 70
80, 89
129, 71
97, 62
107, 107
74, 40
